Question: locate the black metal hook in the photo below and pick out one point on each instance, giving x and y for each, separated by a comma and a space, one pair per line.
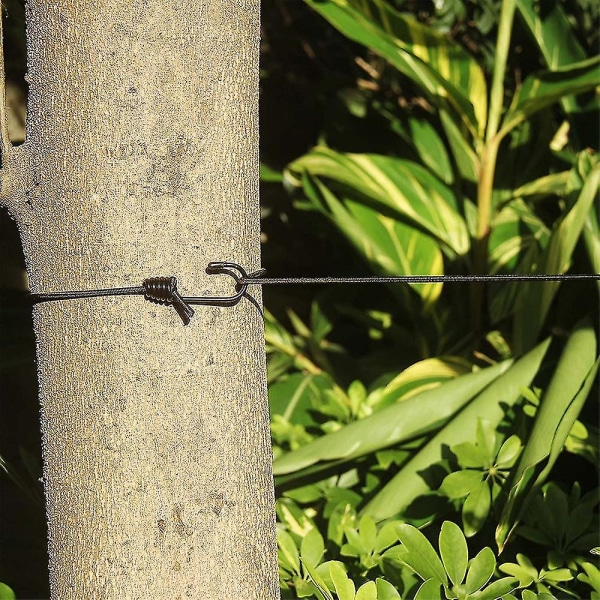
238, 273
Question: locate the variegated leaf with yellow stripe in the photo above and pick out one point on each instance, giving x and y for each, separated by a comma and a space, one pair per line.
390, 246
399, 188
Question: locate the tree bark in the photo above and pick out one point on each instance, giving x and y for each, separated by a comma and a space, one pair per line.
141, 159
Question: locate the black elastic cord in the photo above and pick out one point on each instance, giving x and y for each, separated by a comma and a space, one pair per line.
163, 290
415, 279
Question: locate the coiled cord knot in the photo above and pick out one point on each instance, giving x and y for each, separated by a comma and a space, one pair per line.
163, 290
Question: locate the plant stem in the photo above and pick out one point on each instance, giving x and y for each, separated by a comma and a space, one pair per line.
489, 154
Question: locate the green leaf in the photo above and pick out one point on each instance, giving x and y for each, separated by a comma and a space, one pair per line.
490, 404
390, 246
460, 483
368, 533
367, 591
547, 87
344, 587
465, 157
552, 32
509, 452
557, 42
270, 175
423, 375
318, 581
6, 593
536, 297
498, 588
476, 509
391, 425
591, 577
429, 590
470, 455
431, 149
486, 439
386, 536
558, 410
554, 184
524, 571
386, 591
454, 551
312, 548
389, 184
481, 569
422, 558
287, 552
441, 67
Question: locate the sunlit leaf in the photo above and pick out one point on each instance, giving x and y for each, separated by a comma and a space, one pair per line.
547, 87
421, 555
481, 569
393, 424
344, 587
454, 551
389, 184
558, 410
490, 404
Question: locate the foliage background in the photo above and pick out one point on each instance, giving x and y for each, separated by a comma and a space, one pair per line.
339, 357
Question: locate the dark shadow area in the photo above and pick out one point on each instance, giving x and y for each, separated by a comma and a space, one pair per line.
23, 552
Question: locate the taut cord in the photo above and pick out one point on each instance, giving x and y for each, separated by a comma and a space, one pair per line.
163, 290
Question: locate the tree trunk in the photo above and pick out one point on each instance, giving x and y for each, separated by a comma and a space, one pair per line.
141, 159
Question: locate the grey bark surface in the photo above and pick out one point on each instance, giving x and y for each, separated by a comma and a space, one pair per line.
141, 159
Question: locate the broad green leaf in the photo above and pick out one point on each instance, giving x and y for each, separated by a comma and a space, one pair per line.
287, 552
460, 483
270, 175
485, 434
476, 509
556, 40
6, 593
344, 587
318, 581
293, 517
390, 246
481, 569
368, 532
508, 453
393, 424
290, 398
547, 87
490, 404
367, 591
554, 184
425, 374
523, 570
422, 558
454, 551
465, 157
558, 410
390, 184
552, 32
386, 591
386, 536
498, 588
591, 577
536, 297
451, 77
429, 590
312, 548
431, 149
470, 455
